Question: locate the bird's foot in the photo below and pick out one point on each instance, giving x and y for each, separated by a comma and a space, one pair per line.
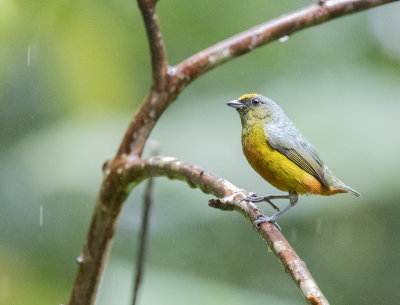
255, 198
262, 218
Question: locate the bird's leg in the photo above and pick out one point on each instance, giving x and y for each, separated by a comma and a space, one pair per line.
256, 198
293, 198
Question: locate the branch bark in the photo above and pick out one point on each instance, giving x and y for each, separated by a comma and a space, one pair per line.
167, 83
158, 58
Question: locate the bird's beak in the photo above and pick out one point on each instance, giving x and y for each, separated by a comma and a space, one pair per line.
236, 104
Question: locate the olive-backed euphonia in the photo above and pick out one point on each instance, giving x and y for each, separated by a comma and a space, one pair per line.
277, 151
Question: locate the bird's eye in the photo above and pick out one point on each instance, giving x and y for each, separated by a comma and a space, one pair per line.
256, 102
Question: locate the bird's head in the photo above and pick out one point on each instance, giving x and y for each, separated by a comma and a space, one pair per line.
254, 108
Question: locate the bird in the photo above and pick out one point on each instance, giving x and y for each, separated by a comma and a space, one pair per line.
281, 155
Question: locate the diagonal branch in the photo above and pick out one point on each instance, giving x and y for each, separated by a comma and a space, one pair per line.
232, 199
285, 25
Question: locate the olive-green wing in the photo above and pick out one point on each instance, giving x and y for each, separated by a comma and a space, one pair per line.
286, 139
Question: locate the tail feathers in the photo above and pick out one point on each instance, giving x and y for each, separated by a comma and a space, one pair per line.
332, 181
348, 189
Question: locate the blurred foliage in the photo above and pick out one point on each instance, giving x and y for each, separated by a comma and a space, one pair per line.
74, 72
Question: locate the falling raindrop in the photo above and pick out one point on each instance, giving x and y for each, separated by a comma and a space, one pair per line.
4, 287
41, 215
318, 226
284, 38
28, 63
293, 235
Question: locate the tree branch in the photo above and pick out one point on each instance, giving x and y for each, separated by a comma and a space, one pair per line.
158, 58
231, 198
167, 84
285, 25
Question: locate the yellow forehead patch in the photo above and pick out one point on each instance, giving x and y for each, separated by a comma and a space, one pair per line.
244, 96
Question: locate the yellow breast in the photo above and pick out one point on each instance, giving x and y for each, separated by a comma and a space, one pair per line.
273, 166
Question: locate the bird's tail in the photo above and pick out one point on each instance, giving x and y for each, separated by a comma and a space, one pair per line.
347, 189
332, 181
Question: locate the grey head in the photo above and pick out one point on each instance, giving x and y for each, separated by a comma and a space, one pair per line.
254, 107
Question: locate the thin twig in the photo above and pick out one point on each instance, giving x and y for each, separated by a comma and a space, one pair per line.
144, 230
143, 237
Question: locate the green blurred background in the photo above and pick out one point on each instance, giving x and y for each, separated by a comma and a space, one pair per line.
72, 75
